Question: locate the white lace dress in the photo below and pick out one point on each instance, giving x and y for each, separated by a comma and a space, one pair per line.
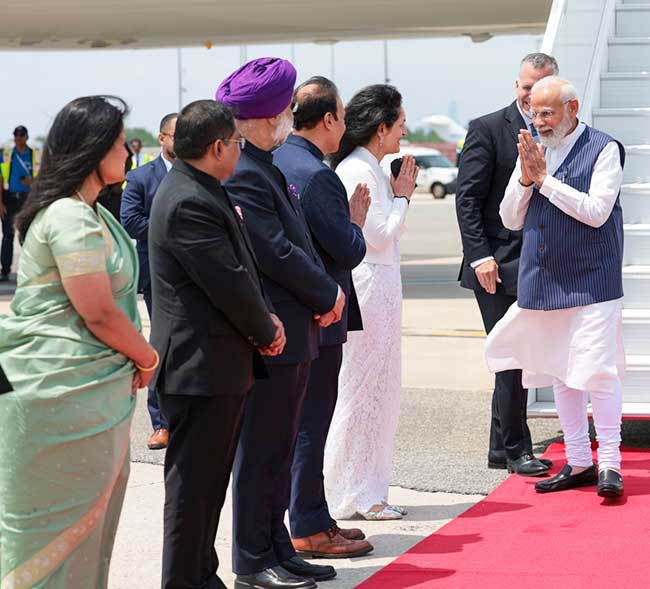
359, 447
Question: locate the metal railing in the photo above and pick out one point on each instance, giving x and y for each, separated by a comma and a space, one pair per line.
576, 35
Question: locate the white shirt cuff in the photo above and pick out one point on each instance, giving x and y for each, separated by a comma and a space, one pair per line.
480, 261
550, 186
523, 190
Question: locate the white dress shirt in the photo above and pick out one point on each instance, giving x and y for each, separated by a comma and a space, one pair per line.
386, 215
167, 163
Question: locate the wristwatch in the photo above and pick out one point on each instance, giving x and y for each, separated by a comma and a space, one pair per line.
408, 200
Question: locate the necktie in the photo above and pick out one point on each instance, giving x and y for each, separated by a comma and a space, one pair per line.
533, 132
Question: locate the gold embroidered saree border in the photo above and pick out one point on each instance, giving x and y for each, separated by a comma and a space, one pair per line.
52, 556
79, 263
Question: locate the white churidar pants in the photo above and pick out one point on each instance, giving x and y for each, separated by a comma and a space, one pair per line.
571, 405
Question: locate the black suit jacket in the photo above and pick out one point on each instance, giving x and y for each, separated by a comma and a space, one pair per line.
293, 274
486, 164
207, 297
339, 242
135, 208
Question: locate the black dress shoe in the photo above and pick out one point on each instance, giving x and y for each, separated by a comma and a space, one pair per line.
610, 483
301, 568
527, 466
565, 480
500, 464
273, 578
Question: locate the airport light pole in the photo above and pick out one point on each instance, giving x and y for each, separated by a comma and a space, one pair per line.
386, 78
179, 68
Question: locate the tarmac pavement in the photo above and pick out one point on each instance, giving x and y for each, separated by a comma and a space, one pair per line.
439, 467
440, 452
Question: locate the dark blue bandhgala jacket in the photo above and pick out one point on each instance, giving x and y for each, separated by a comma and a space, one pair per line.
339, 242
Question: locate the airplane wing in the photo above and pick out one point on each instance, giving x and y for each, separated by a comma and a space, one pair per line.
80, 24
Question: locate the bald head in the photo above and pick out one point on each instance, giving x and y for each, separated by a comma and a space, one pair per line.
319, 114
554, 109
554, 85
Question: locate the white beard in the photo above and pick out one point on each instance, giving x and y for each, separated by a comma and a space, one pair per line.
559, 133
283, 129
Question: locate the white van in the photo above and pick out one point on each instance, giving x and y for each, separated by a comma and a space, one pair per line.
437, 175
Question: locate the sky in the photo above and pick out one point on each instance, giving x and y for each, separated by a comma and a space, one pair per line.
451, 76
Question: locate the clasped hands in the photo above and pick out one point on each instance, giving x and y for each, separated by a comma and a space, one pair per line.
276, 347
531, 158
334, 315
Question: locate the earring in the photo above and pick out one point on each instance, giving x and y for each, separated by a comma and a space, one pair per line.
381, 141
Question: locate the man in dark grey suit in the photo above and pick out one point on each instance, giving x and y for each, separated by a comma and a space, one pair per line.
212, 322
491, 254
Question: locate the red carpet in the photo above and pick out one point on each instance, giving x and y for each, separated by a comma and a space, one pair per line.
516, 538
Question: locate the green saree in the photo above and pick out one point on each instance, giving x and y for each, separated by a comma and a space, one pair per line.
64, 430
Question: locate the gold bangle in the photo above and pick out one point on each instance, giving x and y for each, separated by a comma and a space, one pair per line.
151, 368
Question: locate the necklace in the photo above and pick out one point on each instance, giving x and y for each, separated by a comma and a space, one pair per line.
81, 197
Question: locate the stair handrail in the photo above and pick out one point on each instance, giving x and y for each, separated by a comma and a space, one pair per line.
554, 24
595, 67
555, 19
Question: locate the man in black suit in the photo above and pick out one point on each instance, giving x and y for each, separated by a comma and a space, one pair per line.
336, 227
491, 254
211, 324
303, 295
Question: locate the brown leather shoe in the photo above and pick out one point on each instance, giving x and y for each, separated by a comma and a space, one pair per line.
350, 533
330, 544
158, 440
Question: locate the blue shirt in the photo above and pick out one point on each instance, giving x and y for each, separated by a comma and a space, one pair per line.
21, 166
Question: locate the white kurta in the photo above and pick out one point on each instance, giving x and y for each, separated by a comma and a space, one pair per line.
581, 347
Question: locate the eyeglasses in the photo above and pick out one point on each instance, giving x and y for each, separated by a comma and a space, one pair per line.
546, 113
241, 141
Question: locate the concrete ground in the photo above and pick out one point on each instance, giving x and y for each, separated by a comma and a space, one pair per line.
440, 452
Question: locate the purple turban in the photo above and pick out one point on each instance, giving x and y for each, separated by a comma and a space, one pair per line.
260, 89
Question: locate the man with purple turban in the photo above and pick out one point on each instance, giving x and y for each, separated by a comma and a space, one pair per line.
304, 297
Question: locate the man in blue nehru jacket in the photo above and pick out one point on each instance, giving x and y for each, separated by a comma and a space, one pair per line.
565, 329
336, 228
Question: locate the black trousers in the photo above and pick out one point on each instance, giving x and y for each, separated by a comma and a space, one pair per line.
203, 435
262, 470
13, 202
308, 511
509, 433
158, 420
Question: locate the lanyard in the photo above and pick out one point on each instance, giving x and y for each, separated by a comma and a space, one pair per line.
22, 163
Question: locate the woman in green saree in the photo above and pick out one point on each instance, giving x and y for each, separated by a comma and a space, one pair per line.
74, 354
